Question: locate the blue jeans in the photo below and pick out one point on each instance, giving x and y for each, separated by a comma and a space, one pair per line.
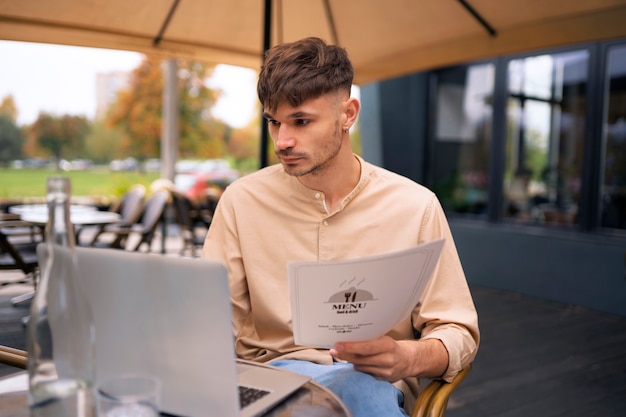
364, 395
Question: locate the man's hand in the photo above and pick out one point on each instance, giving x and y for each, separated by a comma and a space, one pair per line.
390, 360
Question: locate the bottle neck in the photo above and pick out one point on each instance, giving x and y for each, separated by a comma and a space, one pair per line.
59, 229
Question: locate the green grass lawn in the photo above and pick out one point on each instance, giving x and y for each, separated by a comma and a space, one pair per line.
98, 183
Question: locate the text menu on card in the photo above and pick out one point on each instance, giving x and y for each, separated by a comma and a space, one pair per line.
357, 299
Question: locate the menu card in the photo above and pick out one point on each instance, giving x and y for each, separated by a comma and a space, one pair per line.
360, 298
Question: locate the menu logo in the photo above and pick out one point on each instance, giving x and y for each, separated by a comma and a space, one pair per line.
352, 299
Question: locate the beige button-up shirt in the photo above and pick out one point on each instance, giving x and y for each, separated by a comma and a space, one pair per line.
268, 218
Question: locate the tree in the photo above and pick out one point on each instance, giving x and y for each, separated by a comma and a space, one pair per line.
201, 135
8, 108
103, 143
243, 146
11, 140
60, 136
138, 112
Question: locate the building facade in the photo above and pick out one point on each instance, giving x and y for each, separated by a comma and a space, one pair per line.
108, 84
527, 154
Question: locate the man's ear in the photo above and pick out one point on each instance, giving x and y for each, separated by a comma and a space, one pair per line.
351, 111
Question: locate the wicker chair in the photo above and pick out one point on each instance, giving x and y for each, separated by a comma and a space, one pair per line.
433, 400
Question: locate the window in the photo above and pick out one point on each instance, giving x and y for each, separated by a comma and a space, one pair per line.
461, 137
613, 180
558, 158
545, 137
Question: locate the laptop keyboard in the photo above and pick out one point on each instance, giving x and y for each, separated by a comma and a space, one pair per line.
248, 395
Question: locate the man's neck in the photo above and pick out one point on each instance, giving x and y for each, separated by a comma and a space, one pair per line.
337, 181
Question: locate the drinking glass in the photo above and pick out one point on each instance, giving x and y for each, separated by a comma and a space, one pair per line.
128, 396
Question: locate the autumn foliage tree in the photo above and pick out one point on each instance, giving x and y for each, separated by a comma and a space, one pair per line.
11, 138
9, 108
60, 137
138, 112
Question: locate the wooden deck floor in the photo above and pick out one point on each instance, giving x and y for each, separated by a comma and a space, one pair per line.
537, 358
543, 359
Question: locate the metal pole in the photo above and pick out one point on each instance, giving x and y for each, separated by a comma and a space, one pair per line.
169, 129
267, 27
169, 132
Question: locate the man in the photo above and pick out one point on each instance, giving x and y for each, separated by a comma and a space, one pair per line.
323, 202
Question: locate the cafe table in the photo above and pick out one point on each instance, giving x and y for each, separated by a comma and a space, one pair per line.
79, 215
312, 400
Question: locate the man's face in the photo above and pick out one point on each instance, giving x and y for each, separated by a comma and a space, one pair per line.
307, 137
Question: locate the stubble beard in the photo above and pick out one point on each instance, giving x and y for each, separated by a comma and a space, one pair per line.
320, 159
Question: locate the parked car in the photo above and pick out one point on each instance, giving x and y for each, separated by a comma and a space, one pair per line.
195, 177
30, 163
75, 164
128, 164
152, 165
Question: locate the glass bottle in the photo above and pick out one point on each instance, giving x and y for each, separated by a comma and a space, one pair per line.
60, 335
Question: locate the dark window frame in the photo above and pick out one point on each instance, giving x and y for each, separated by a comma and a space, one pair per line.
595, 112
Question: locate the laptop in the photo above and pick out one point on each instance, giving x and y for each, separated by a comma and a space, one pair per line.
170, 317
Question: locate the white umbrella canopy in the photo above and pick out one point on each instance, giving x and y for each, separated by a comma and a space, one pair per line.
384, 38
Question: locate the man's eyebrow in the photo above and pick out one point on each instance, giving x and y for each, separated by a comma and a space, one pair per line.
295, 115
300, 115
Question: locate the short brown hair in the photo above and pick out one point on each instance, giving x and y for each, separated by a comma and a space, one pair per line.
298, 71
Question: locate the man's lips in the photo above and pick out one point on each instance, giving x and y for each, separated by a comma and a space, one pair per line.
289, 159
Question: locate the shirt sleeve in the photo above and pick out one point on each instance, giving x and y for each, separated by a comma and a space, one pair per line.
446, 311
222, 244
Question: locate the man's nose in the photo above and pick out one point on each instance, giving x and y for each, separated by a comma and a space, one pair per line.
284, 138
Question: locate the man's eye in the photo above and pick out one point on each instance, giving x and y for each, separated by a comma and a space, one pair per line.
273, 122
302, 122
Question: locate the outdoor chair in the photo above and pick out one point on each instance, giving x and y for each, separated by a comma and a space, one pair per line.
19, 256
433, 399
129, 207
144, 228
193, 220
13, 357
17, 230
208, 201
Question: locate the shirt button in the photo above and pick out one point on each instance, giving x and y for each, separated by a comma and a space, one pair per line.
317, 195
325, 223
